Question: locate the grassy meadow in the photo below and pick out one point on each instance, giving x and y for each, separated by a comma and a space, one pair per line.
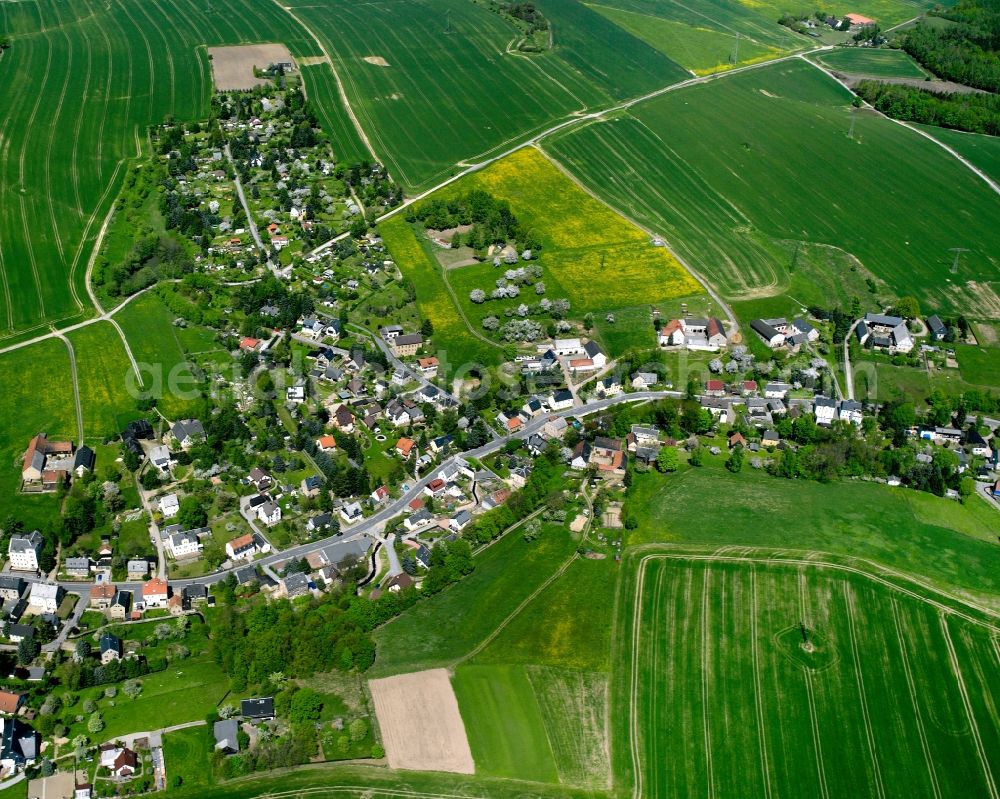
104, 373
157, 347
735, 171
187, 754
982, 151
717, 694
47, 408
880, 63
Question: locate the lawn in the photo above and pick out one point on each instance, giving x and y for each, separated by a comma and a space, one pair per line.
701, 49
187, 754
717, 694
950, 545
106, 380
979, 365
504, 723
881, 63
47, 406
735, 172
506, 574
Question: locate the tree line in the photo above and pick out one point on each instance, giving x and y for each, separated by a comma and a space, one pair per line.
967, 52
975, 113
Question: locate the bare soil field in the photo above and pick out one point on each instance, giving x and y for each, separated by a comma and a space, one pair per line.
421, 726
232, 67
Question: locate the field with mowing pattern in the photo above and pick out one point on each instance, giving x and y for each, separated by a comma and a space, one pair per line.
733, 171
875, 63
719, 695
702, 50
449, 89
187, 754
105, 375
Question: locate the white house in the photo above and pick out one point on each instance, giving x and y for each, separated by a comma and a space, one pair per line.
269, 513
23, 551
850, 411
561, 400
825, 409
568, 346
183, 543
169, 506
46, 597
242, 548
596, 354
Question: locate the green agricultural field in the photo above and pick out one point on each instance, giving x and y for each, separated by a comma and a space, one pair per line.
726, 17
105, 376
48, 407
979, 365
982, 151
83, 81
504, 723
702, 50
321, 86
735, 171
426, 78
506, 574
872, 63
719, 694
187, 754
950, 545
155, 343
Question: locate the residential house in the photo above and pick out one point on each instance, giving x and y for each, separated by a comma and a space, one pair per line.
121, 605
195, 593
577, 365
11, 586
319, 523
22, 551
609, 386
380, 495
10, 702
737, 440
83, 460
850, 411
937, 328
312, 485
187, 432
643, 381
391, 332
460, 521
295, 585
37, 457
269, 513
101, 596
596, 354
241, 548
978, 445
884, 332
406, 345
155, 593
182, 543
351, 512
419, 519
715, 388
326, 444
561, 400
120, 761
226, 734
110, 647
77, 567
609, 457
260, 479
776, 390
441, 443
258, 709
825, 409
137, 568
169, 506
19, 745
644, 436
343, 419
770, 438
428, 366
404, 447
46, 597
20, 632
555, 427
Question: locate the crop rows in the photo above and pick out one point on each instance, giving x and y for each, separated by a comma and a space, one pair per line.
894, 698
732, 171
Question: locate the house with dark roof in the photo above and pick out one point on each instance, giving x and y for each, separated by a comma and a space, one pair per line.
295, 585
18, 745
937, 328
111, 648
187, 432
226, 734
258, 709
83, 460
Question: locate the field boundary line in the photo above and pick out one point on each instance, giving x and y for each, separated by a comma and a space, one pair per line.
76, 387
514, 613
973, 724
869, 732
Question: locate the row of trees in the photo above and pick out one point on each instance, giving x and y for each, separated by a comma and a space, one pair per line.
976, 113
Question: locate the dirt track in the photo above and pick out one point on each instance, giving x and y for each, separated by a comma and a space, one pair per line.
422, 728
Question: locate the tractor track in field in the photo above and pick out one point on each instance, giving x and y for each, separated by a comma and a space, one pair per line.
706, 680
758, 693
862, 694
970, 714
76, 388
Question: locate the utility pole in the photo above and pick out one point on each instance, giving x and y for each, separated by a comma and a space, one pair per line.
736, 50
850, 134
958, 254
447, 21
